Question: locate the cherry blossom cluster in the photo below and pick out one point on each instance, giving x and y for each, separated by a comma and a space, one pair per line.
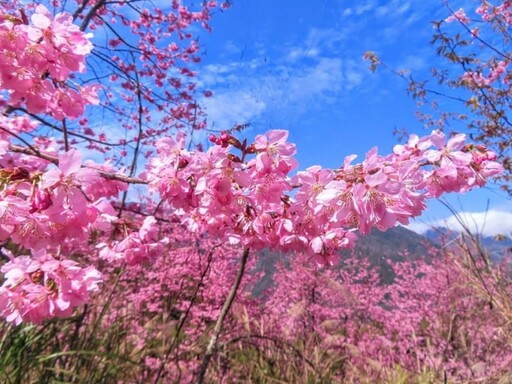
242, 193
13, 125
490, 12
476, 45
247, 197
43, 286
159, 72
135, 247
459, 15
42, 211
495, 69
43, 207
37, 59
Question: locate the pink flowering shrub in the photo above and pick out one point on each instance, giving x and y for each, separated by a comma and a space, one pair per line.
433, 321
41, 287
430, 320
38, 57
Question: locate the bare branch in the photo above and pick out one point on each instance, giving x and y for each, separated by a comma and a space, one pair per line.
31, 151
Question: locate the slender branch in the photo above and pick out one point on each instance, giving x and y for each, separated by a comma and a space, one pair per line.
91, 14
55, 160
480, 88
8, 110
32, 151
120, 37
70, 133
410, 80
118, 177
140, 112
466, 27
31, 147
212, 345
185, 315
172, 220
80, 9
65, 131
136, 151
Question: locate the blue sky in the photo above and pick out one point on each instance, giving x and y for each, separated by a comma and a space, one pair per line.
297, 65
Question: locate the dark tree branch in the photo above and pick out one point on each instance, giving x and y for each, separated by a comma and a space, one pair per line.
212, 345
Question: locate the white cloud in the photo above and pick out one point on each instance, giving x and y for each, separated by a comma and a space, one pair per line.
353, 74
301, 53
390, 34
365, 7
381, 11
404, 7
488, 223
224, 110
217, 74
414, 62
328, 39
413, 18
231, 48
394, 8
323, 78
244, 91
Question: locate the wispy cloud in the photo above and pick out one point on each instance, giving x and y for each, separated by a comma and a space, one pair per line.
247, 90
319, 80
328, 40
364, 7
298, 53
230, 108
309, 72
394, 7
490, 223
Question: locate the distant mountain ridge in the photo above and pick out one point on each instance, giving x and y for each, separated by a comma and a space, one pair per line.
383, 249
397, 244
498, 247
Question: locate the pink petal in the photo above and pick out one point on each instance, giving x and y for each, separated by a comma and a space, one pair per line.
70, 162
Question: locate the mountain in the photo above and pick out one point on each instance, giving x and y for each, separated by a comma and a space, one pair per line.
497, 247
397, 244
382, 249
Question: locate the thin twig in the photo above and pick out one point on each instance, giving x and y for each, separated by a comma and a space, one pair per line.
185, 315
65, 131
55, 160
136, 151
212, 345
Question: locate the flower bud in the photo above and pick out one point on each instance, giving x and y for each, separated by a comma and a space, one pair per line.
41, 201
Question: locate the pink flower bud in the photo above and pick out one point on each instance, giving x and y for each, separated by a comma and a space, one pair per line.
42, 200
